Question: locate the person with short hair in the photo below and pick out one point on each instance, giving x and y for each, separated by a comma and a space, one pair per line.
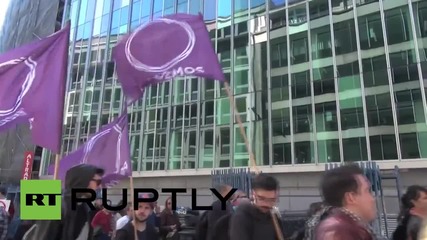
413, 213
348, 191
144, 231
255, 221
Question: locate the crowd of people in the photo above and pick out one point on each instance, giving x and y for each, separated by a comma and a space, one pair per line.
346, 213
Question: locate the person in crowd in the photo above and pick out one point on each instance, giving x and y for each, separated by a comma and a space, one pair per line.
312, 210
413, 212
11, 210
255, 221
320, 212
238, 197
4, 223
126, 218
102, 224
423, 231
74, 224
23, 227
221, 229
154, 218
145, 231
217, 212
348, 191
169, 222
98, 206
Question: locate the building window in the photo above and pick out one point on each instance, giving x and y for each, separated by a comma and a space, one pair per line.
326, 117
355, 149
351, 113
409, 107
345, 37
375, 71
348, 75
328, 150
281, 122
323, 80
370, 31
282, 154
321, 45
299, 48
302, 119
279, 88
383, 147
379, 110
301, 85
398, 25
279, 57
404, 67
304, 152
409, 146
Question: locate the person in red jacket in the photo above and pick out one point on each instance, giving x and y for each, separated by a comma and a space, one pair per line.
103, 221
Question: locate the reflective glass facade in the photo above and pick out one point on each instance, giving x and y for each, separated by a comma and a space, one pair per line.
314, 81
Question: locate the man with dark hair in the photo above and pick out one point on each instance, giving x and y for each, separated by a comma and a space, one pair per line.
144, 230
348, 192
255, 221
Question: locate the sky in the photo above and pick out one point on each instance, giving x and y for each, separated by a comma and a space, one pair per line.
3, 8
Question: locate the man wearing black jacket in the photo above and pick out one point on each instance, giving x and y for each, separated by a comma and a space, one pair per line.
254, 221
145, 230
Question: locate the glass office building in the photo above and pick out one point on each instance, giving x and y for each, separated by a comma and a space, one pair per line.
314, 81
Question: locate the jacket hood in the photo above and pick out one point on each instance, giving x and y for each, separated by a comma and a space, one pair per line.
79, 176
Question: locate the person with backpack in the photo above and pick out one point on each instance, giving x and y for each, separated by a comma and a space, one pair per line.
413, 212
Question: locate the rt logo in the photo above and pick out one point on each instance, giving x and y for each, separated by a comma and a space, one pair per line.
40, 200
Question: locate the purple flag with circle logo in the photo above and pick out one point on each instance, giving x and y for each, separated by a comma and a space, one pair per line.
32, 88
174, 46
107, 149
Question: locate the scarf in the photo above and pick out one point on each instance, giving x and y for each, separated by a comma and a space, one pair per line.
313, 221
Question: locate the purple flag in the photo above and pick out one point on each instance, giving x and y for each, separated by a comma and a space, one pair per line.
107, 149
176, 45
32, 88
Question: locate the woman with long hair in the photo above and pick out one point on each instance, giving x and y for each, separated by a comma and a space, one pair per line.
413, 213
169, 222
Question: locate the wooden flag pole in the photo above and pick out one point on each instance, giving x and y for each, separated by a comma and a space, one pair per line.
241, 127
55, 173
251, 154
132, 195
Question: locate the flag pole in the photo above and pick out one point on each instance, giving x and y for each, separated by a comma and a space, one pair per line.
241, 127
132, 195
251, 154
55, 173
131, 184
